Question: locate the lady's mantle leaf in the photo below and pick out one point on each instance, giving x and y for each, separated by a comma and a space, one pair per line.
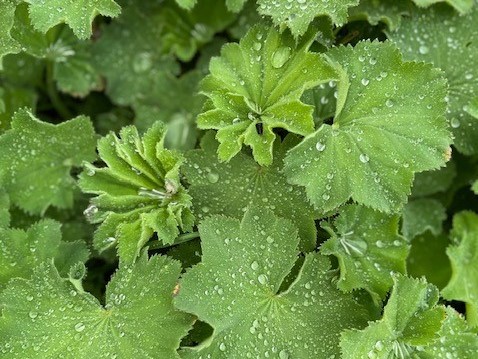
375, 11
229, 188
463, 255
8, 45
49, 317
236, 290
420, 215
389, 124
255, 86
368, 247
448, 41
138, 192
21, 251
410, 321
462, 6
36, 158
77, 14
298, 14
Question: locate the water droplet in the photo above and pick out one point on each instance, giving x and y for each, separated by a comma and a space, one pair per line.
364, 158
379, 244
222, 347
254, 265
389, 103
212, 177
33, 315
320, 146
270, 240
79, 327
142, 62
365, 81
29, 298
257, 46
455, 123
283, 354
262, 279
205, 209
423, 50
468, 76
280, 57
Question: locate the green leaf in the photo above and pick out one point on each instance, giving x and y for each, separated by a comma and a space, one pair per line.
410, 320
421, 215
439, 36
138, 320
235, 289
184, 32
36, 158
462, 6
474, 187
129, 55
4, 209
428, 258
323, 98
8, 45
138, 193
255, 86
388, 125
368, 248
77, 14
229, 188
463, 255
21, 251
297, 15
13, 98
432, 182
389, 12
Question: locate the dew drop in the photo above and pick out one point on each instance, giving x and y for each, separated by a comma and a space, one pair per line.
79, 327
283, 354
262, 279
33, 315
254, 265
222, 347
212, 177
280, 57
364, 158
29, 298
423, 50
320, 146
455, 123
365, 81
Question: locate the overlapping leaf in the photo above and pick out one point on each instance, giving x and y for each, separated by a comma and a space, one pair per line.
368, 248
36, 158
229, 188
138, 193
411, 320
441, 37
8, 45
462, 6
22, 251
298, 14
236, 290
77, 14
463, 255
375, 11
255, 86
138, 320
389, 124
232, 5
421, 215
432, 182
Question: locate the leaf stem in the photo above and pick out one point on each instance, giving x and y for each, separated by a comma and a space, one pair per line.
53, 94
182, 238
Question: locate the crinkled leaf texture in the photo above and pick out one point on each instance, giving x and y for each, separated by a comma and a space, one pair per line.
411, 321
297, 15
229, 188
21, 251
388, 125
138, 192
368, 248
236, 290
448, 41
463, 255
255, 86
50, 317
36, 158
78, 14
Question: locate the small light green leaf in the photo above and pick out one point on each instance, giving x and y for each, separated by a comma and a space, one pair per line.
138, 193
440, 36
389, 12
463, 255
36, 158
235, 289
129, 55
229, 188
462, 6
421, 215
77, 14
74, 324
410, 321
428, 258
255, 86
389, 124
368, 248
297, 15
21, 251
184, 32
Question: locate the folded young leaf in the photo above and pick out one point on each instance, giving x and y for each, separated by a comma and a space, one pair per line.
440, 36
36, 159
138, 320
138, 193
421, 215
297, 15
21, 251
368, 248
229, 188
463, 255
388, 125
411, 321
256, 85
462, 6
236, 290
77, 14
